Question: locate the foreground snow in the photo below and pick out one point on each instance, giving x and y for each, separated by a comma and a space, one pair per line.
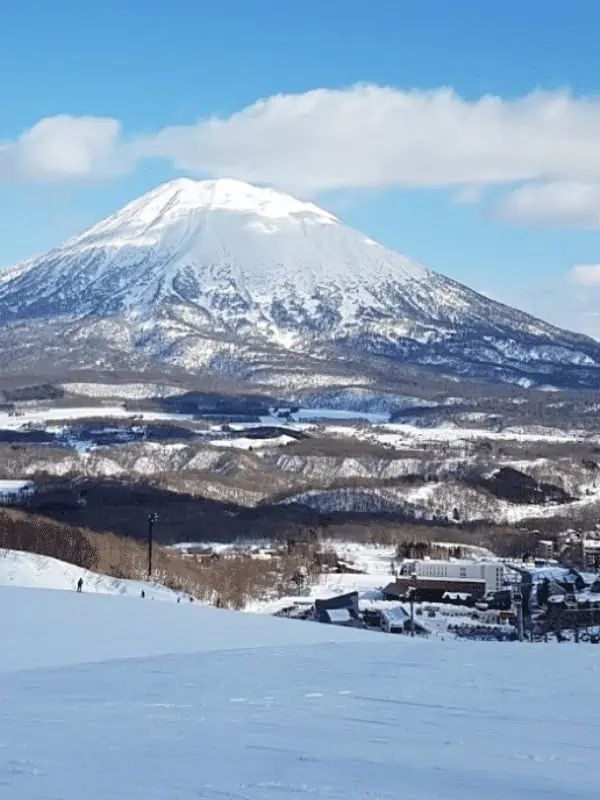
109, 697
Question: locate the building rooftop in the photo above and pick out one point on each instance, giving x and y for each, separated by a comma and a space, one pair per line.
461, 562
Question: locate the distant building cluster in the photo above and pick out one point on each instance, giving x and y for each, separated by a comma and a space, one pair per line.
436, 580
590, 553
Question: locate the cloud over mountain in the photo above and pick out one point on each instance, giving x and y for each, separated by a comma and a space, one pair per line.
357, 137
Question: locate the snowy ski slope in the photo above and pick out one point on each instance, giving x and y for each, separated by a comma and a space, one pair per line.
42, 572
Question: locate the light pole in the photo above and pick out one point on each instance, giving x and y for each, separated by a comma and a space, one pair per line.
518, 606
152, 519
412, 597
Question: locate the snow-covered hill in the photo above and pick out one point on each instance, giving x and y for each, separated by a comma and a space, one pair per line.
42, 572
241, 280
104, 697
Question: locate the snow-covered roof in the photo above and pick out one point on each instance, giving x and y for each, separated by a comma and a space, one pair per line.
339, 614
394, 614
14, 487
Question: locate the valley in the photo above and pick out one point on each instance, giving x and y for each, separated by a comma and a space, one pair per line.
228, 468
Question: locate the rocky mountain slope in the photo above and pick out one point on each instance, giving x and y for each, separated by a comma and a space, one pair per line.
248, 282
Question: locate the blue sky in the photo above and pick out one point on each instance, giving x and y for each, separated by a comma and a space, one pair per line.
504, 198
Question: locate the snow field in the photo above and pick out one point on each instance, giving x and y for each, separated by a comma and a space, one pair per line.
131, 391
43, 416
373, 426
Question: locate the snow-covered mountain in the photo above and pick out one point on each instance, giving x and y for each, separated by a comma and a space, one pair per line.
224, 276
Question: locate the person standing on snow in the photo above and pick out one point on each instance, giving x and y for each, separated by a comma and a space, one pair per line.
80, 585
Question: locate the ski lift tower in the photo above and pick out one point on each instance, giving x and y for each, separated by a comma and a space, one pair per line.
152, 520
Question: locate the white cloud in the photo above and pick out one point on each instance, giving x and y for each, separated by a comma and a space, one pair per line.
574, 204
359, 137
64, 148
468, 195
585, 274
368, 136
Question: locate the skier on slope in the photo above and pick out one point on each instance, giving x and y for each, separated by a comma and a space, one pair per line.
80, 585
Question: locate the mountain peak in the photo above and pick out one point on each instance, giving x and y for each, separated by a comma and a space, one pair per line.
230, 194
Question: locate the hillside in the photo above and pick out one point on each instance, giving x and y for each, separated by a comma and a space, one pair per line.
35, 571
39, 552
